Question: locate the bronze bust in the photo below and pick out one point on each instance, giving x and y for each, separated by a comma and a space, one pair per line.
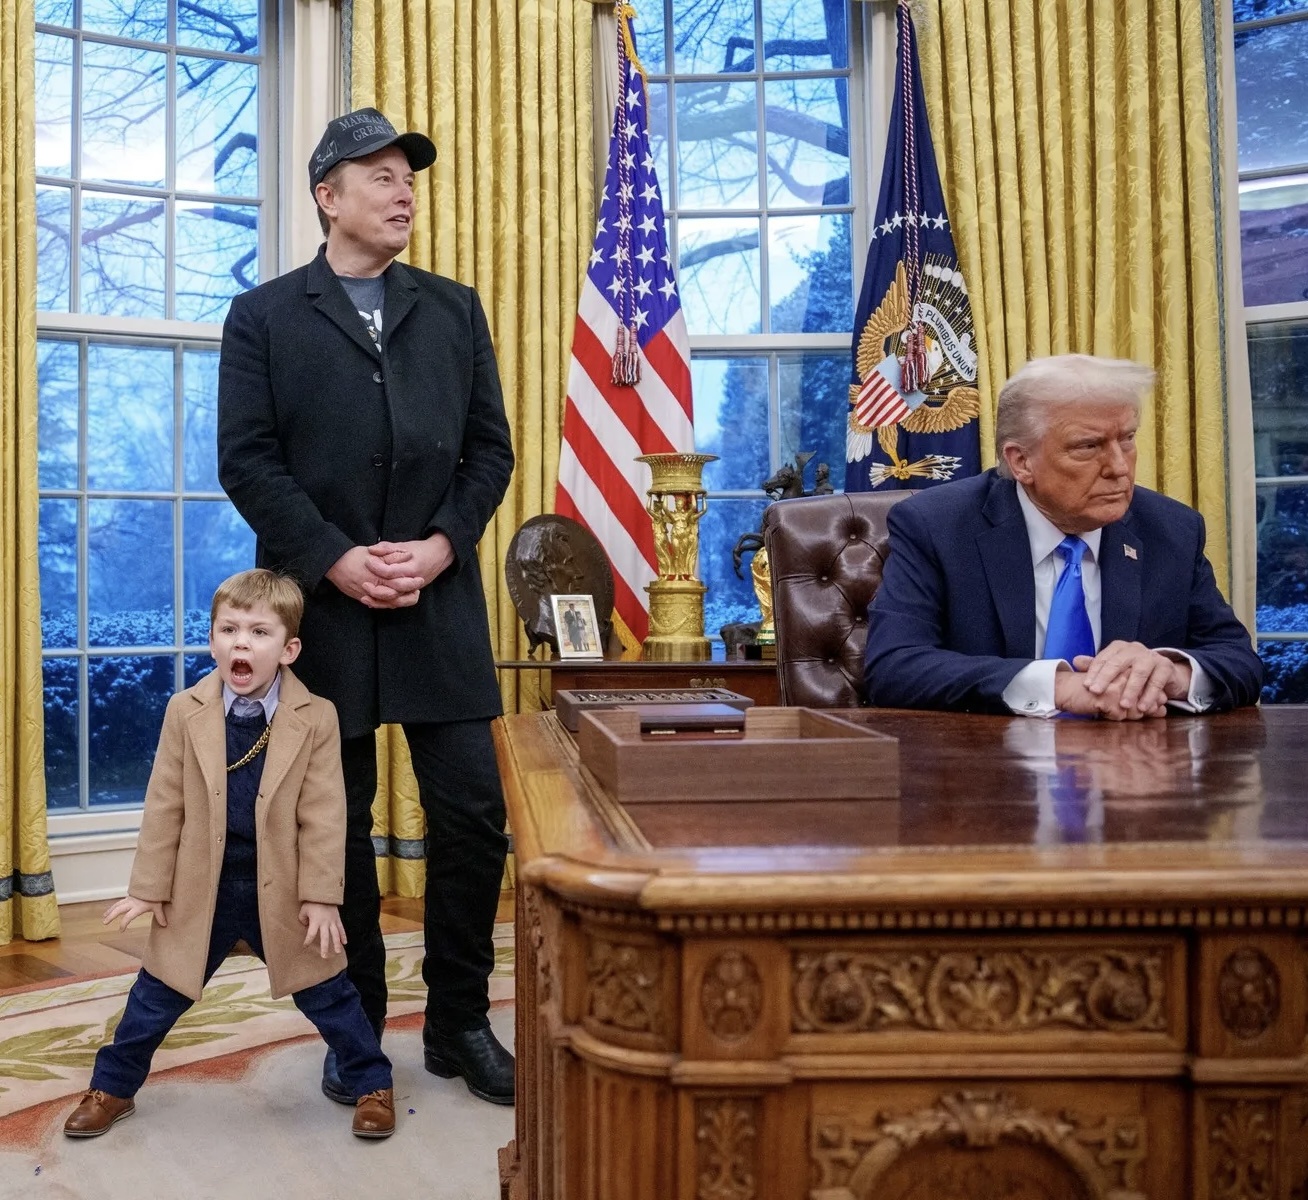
552, 555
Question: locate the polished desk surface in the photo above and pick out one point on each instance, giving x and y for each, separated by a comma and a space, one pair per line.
995, 810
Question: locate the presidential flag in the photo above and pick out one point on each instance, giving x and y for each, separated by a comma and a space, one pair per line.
629, 383
913, 401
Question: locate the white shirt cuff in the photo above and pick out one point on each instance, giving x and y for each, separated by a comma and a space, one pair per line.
1030, 693
1202, 695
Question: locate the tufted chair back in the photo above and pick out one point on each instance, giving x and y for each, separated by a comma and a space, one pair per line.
825, 554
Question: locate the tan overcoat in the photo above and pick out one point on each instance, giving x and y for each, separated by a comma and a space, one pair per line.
299, 820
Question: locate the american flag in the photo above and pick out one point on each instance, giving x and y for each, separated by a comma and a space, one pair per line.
628, 299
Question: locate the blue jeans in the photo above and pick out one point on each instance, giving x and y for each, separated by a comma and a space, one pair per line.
153, 1008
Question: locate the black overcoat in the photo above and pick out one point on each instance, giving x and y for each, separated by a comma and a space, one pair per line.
326, 442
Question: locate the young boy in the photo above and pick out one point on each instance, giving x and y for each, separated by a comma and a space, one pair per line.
243, 836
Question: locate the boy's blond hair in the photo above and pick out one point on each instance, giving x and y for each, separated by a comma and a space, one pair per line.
260, 586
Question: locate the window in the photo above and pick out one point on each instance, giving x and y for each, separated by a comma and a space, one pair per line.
750, 107
154, 203
1271, 65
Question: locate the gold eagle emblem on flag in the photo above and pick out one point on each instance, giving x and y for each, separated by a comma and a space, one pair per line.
937, 333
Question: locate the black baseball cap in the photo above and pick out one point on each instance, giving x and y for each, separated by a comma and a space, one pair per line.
365, 131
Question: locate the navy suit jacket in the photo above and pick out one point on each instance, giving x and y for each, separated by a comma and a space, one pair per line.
954, 618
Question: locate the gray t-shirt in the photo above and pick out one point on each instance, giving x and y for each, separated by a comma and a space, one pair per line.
366, 296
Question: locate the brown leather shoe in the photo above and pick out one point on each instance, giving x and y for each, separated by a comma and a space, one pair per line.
374, 1114
97, 1111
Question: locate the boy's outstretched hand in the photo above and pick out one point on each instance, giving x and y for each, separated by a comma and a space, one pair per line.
324, 923
129, 908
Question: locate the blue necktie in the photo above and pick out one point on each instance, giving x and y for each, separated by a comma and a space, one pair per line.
1069, 633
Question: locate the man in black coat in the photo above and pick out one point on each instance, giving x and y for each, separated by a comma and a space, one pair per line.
362, 434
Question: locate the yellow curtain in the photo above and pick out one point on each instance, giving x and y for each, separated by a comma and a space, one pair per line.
27, 902
503, 87
1076, 144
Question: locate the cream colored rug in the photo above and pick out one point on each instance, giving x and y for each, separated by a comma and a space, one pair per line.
233, 1108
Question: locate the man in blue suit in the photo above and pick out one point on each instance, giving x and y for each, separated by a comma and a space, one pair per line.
1051, 583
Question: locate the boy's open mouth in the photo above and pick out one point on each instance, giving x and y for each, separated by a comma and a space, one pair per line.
241, 671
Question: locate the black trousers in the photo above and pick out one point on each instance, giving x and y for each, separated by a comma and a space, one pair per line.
459, 788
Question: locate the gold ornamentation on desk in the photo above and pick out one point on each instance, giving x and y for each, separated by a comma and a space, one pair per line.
1242, 1140
853, 1161
622, 985
676, 501
1248, 993
731, 997
726, 1134
1002, 991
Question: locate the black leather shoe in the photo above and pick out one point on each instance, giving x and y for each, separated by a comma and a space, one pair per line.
486, 1066
332, 1087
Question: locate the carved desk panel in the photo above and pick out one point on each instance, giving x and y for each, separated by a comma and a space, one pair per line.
1069, 960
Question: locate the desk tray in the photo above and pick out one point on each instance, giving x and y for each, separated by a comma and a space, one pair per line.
570, 703
785, 754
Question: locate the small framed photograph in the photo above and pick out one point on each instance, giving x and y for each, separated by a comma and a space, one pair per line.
577, 629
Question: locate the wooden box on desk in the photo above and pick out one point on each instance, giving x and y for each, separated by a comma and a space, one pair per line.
785, 754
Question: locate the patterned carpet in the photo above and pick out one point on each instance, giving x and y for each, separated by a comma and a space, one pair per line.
232, 1107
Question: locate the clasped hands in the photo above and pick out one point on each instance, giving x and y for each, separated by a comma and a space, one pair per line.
391, 574
1125, 681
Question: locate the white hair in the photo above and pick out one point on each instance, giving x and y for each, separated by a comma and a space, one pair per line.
1043, 383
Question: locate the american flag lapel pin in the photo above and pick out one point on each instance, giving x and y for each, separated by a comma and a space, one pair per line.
1129, 551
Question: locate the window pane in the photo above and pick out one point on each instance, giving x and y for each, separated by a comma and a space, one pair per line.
804, 37
1286, 671
731, 420
200, 421
1274, 240
217, 126
810, 274
54, 113
1253, 10
718, 274
1271, 74
217, 252
130, 552
144, 19
231, 25
54, 12
717, 146
814, 408
57, 546
216, 544
729, 599
123, 130
128, 695
1283, 558
648, 33
129, 418
807, 142
61, 708
709, 36
122, 256
54, 207
1278, 365
195, 667
56, 440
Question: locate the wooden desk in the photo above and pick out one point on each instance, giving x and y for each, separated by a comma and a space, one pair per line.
757, 680
1070, 962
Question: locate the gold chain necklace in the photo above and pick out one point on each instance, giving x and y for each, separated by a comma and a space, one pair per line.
253, 751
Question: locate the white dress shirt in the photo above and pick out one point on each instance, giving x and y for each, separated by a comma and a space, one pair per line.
1031, 691
268, 699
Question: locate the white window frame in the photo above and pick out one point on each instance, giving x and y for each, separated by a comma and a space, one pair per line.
113, 829
1268, 314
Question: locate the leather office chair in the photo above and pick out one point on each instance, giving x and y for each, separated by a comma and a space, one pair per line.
825, 554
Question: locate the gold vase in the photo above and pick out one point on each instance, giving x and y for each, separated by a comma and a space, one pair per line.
675, 503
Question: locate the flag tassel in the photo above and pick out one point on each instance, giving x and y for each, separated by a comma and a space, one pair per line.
626, 358
913, 367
